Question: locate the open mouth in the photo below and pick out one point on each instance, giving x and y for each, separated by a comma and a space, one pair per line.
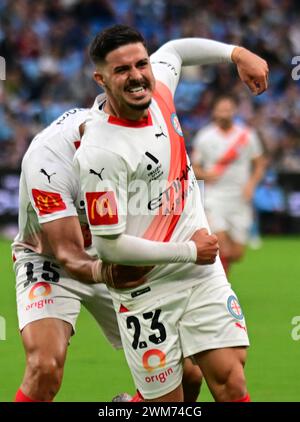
137, 89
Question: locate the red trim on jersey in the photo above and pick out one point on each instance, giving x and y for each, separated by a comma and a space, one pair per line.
14, 258
163, 224
102, 208
77, 144
123, 309
48, 202
146, 121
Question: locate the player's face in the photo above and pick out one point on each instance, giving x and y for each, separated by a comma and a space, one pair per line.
223, 113
128, 80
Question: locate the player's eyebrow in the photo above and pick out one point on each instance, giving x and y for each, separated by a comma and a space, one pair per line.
122, 67
140, 62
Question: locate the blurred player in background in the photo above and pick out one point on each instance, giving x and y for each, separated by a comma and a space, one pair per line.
229, 158
135, 137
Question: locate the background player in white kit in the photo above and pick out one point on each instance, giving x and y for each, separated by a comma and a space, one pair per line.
50, 244
202, 316
49, 258
229, 158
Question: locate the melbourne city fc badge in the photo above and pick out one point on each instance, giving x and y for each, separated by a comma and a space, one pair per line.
234, 307
176, 124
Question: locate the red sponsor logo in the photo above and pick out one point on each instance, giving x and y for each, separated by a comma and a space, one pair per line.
48, 202
102, 208
160, 377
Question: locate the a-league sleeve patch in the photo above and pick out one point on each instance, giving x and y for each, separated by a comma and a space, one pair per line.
102, 208
48, 202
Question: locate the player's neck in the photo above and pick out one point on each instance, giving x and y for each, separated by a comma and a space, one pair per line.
123, 114
226, 128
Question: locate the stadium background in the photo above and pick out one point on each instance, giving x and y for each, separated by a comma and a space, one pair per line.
48, 71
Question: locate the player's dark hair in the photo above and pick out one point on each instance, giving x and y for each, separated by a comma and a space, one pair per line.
112, 38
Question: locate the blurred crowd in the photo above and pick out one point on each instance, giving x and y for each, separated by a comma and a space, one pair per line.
48, 69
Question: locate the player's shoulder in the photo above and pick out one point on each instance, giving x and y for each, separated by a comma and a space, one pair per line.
205, 132
241, 127
69, 122
61, 132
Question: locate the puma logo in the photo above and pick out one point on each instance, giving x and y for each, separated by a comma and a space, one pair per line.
97, 174
47, 175
158, 135
237, 324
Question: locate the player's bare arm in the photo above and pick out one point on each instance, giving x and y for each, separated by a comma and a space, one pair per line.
252, 69
258, 171
65, 238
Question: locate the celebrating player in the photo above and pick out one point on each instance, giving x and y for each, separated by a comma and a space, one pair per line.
183, 309
50, 258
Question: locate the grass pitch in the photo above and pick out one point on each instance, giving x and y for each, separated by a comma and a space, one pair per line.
268, 285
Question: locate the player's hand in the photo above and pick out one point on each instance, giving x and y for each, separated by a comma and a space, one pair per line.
252, 69
207, 246
123, 276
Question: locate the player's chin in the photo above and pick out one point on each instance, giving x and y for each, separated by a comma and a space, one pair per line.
141, 104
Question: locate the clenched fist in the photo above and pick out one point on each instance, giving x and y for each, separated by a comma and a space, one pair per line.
207, 246
252, 69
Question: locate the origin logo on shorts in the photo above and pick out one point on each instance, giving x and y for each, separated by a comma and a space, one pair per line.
37, 294
153, 359
48, 202
102, 208
234, 307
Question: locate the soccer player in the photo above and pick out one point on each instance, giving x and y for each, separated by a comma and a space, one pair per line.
229, 158
50, 258
146, 210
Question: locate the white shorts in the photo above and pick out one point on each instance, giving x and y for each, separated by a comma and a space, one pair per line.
45, 290
232, 216
157, 336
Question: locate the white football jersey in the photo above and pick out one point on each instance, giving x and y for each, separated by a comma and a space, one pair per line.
137, 178
211, 144
49, 186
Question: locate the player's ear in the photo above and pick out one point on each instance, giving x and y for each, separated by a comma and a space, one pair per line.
99, 78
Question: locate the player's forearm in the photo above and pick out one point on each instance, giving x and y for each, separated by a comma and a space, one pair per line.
80, 265
131, 250
191, 51
259, 168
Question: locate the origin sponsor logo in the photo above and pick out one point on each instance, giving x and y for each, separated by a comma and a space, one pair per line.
40, 289
161, 377
153, 359
39, 304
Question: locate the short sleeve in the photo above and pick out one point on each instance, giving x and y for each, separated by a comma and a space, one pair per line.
51, 186
103, 177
